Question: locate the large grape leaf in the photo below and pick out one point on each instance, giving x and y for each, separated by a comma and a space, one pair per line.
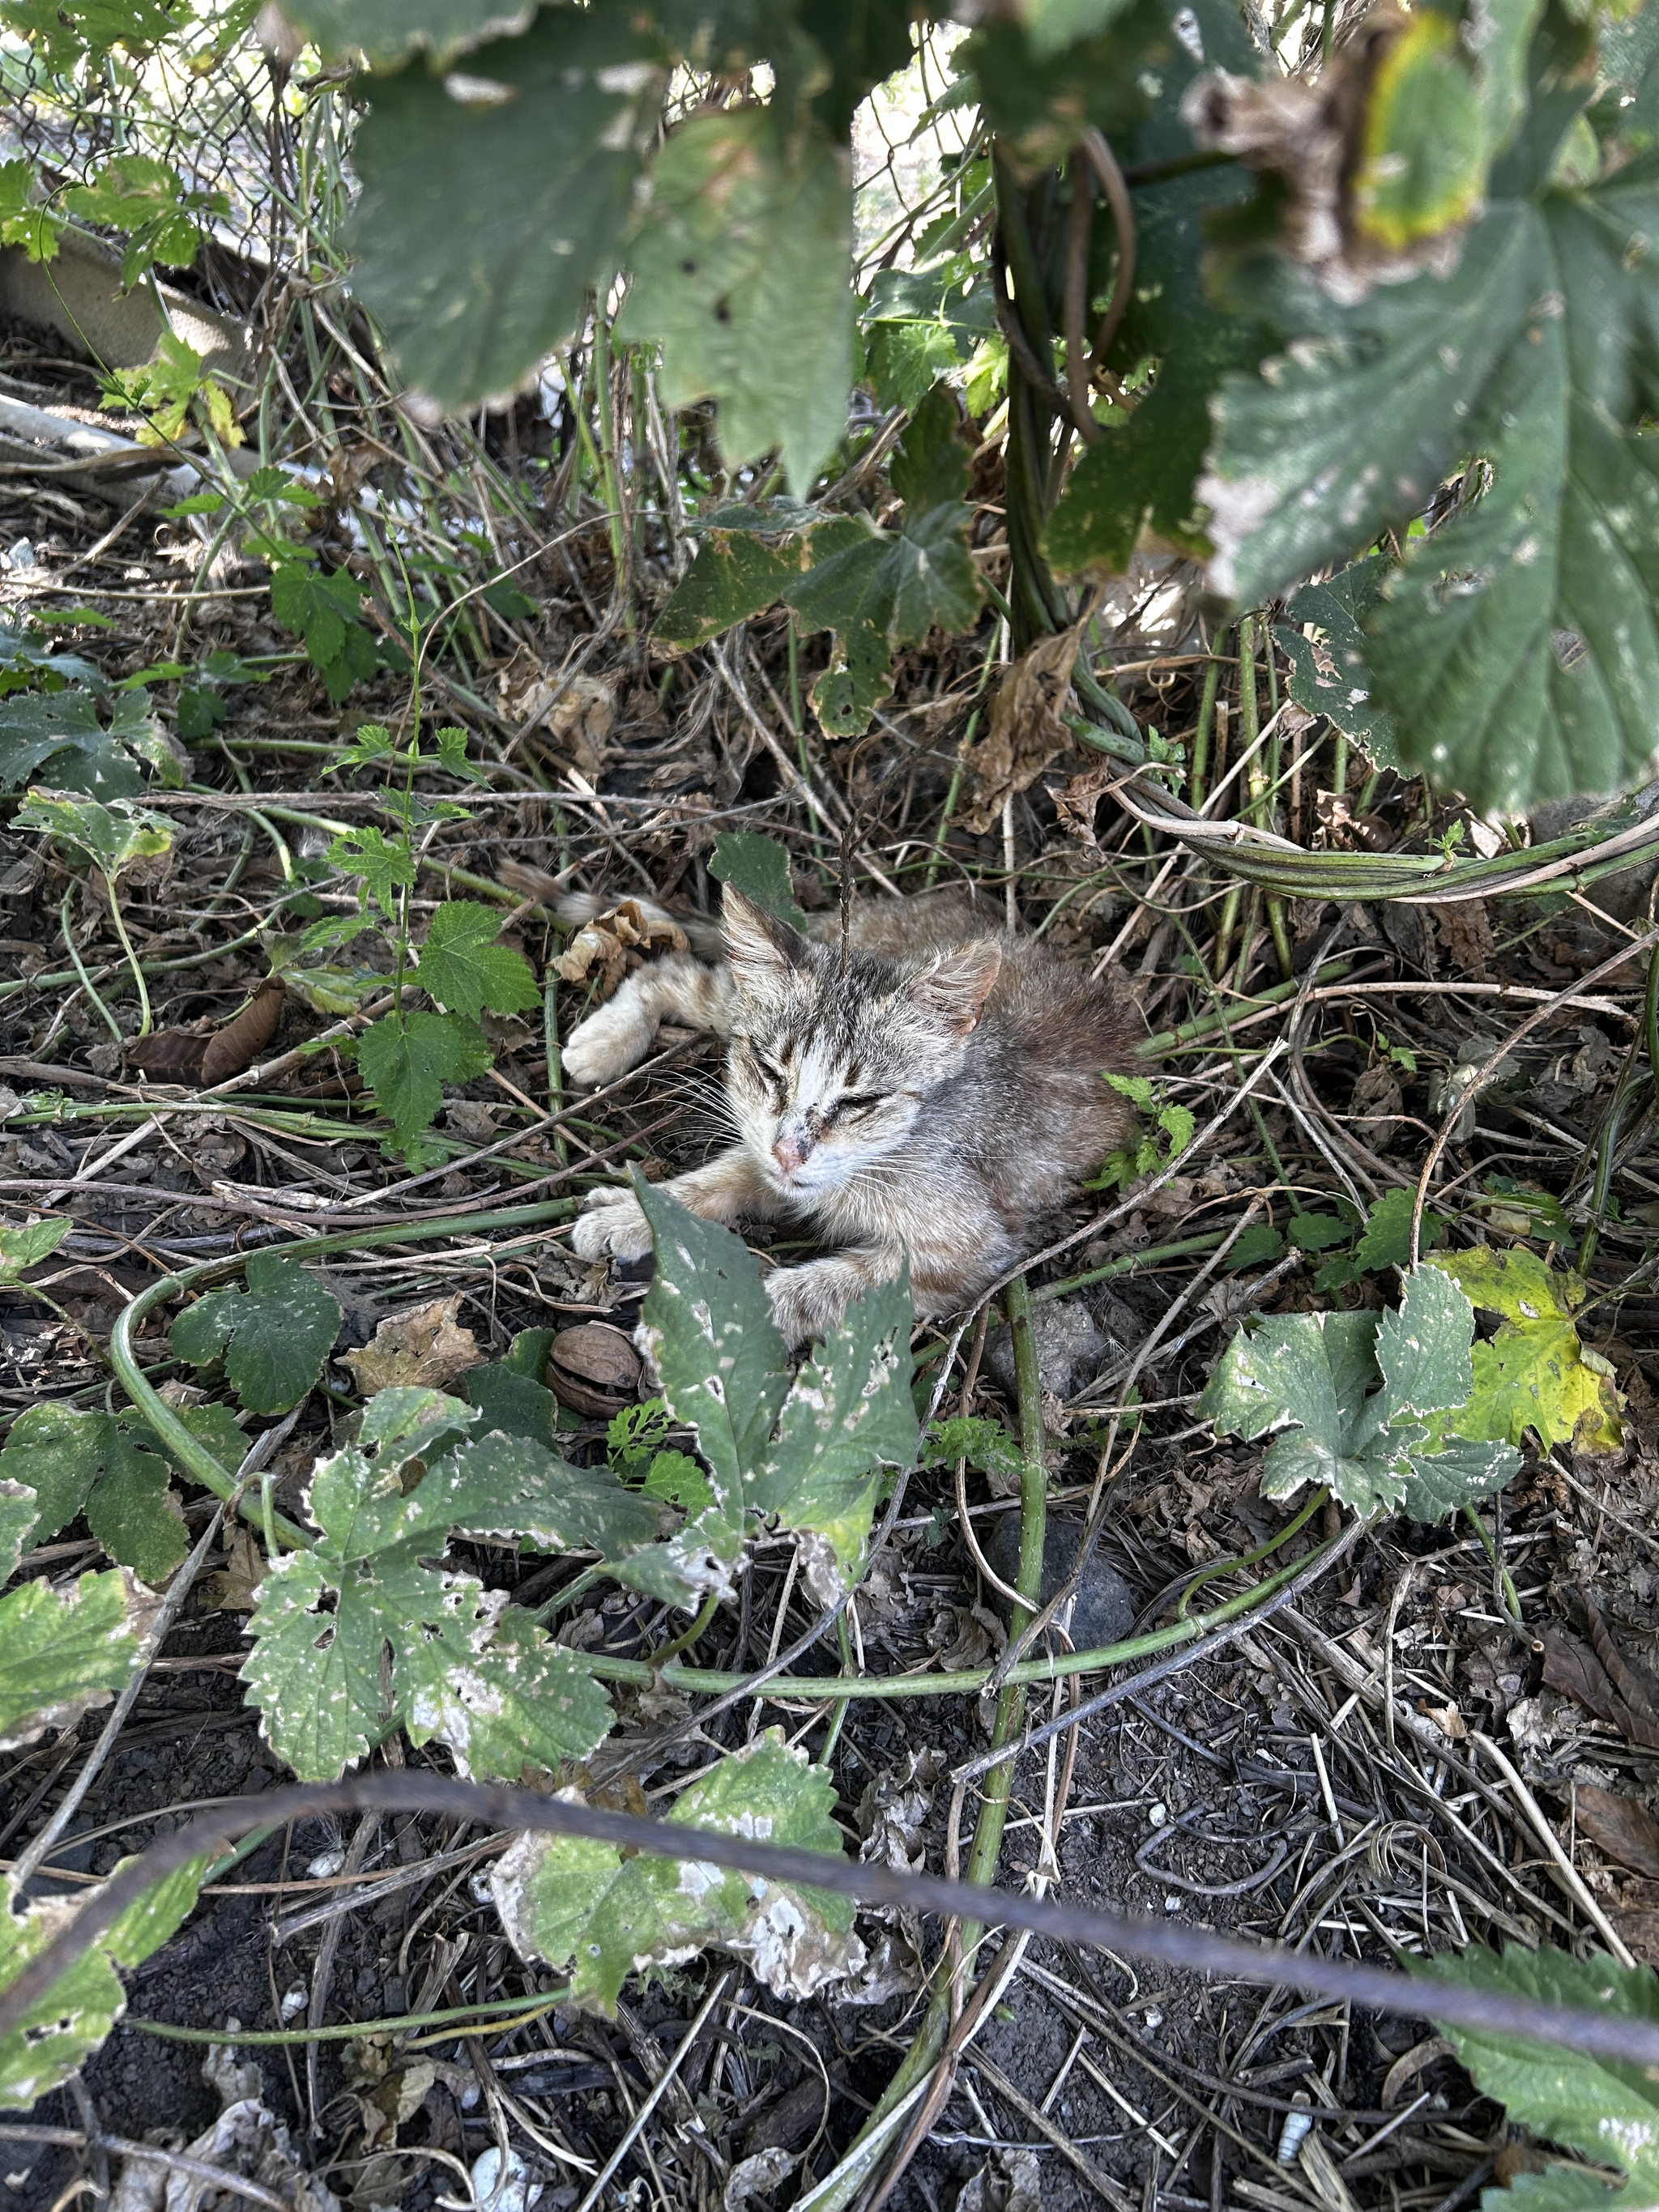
67, 2025
387, 32
1517, 649
1605, 2108
489, 207
566, 1900
741, 270
273, 1337
57, 736
61, 1652
407, 1059
1532, 1373
709, 1324
358, 1633
1307, 1378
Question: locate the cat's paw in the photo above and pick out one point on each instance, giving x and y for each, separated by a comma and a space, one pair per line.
805, 1302
606, 1045
611, 1226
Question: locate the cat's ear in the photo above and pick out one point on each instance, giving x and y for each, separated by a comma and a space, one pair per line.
954, 990
762, 950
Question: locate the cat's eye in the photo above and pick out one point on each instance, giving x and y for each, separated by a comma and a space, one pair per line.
855, 1102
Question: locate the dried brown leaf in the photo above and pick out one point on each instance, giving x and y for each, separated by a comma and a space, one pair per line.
422, 1349
1622, 1827
1028, 726
1582, 1674
1635, 1693
198, 1059
614, 942
1466, 931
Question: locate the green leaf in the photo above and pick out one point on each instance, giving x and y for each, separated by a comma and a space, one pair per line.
933, 465
91, 1462
1259, 1244
273, 1337
465, 969
24, 1244
1329, 674
758, 867
112, 837
407, 1060
482, 222
71, 2021
567, 1901
740, 270
1517, 649
320, 607
1607, 2109
735, 574
515, 1404
497, 1692
1038, 97
62, 1652
712, 1338
385, 865
1533, 1373
983, 1442
147, 199
675, 1480
848, 1414
1423, 1350
58, 735
1317, 1232
387, 32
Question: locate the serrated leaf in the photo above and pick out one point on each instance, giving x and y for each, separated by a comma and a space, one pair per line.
1517, 649
562, 1899
1329, 674
482, 222
24, 1244
60, 1653
77, 2012
486, 1682
406, 1061
740, 271
848, 1413
758, 867
464, 969
1423, 1349
983, 1442
1449, 1472
1533, 1373
78, 1461
1306, 1375
1607, 2109
932, 465
273, 1337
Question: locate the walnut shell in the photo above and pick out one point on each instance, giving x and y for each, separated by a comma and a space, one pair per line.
594, 1369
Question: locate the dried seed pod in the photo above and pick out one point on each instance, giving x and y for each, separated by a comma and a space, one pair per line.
594, 1368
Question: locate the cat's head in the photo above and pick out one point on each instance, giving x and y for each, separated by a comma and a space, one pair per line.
827, 1072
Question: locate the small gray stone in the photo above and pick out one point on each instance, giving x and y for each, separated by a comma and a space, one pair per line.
1068, 1347
1103, 1610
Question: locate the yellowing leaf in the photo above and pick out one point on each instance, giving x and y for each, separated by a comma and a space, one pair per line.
1533, 1373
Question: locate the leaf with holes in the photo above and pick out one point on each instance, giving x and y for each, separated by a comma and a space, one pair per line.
740, 268
112, 837
67, 2025
738, 572
273, 1337
58, 737
1329, 675
465, 969
565, 1900
492, 1688
491, 203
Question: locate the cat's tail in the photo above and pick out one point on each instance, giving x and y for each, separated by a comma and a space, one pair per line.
575, 908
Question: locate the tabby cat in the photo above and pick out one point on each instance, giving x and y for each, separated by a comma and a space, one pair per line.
934, 1097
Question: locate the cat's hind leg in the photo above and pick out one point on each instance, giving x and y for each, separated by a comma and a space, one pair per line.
617, 1035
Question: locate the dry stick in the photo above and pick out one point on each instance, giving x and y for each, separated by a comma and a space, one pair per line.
1571, 1881
683, 2050
1104, 164
1483, 1074
1632, 2040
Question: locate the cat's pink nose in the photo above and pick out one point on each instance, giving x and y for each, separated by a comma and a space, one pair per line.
789, 1156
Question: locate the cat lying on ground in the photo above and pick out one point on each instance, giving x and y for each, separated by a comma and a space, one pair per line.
936, 1102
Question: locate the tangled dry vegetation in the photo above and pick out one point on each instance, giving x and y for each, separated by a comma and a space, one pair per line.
1447, 1736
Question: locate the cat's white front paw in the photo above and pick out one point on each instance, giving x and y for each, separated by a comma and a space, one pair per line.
606, 1045
612, 1225
806, 1301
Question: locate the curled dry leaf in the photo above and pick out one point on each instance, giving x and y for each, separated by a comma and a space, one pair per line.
422, 1349
1591, 1679
1621, 1827
594, 1368
198, 1059
1028, 726
614, 942
576, 711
